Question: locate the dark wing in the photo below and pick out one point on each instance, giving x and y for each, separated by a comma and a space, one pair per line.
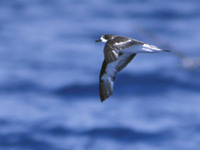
108, 74
125, 42
112, 47
110, 52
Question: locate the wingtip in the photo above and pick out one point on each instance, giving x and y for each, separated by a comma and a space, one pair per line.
102, 100
104, 96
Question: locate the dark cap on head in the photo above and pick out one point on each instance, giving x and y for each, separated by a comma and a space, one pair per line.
108, 36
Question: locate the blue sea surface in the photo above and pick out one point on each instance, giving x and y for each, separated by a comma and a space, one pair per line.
49, 74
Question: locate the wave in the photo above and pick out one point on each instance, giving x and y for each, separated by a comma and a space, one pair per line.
137, 84
140, 84
117, 133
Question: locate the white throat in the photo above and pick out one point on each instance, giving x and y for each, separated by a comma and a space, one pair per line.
103, 40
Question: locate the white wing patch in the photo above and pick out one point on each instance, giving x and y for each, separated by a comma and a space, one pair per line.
121, 43
115, 55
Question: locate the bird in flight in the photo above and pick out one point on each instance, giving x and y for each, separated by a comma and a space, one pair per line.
118, 52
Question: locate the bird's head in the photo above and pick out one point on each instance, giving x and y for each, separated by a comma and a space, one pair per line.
105, 38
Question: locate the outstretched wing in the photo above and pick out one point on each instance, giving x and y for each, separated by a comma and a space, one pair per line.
108, 74
113, 47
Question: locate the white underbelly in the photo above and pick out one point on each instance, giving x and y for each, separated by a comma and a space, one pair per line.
133, 49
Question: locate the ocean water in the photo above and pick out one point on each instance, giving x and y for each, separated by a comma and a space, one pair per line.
49, 73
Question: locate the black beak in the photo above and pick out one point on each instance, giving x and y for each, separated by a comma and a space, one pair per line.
98, 40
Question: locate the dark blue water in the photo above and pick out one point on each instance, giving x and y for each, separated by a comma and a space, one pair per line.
49, 70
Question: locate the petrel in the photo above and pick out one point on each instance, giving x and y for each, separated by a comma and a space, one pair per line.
118, 52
